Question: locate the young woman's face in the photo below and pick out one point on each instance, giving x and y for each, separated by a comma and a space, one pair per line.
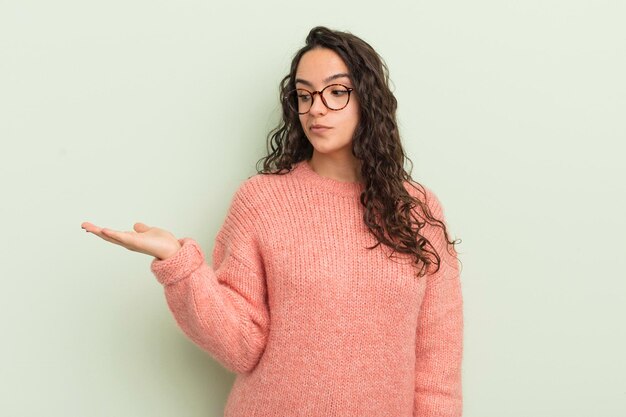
317, 69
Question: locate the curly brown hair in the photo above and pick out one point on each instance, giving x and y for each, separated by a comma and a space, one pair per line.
376, 143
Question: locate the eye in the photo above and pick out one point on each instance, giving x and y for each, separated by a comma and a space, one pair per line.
339, 92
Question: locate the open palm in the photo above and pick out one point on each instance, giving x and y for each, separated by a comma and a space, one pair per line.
145, 239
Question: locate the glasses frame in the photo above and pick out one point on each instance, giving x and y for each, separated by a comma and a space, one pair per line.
320, 92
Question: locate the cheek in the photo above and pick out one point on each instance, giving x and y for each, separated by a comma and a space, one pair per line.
354, 119
303, 120
355, 113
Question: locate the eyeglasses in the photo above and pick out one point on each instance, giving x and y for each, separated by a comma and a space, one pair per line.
335, 97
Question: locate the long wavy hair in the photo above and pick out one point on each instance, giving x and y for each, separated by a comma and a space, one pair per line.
388, 213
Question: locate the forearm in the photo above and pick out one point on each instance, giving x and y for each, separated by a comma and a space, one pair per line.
211, 314
439, 350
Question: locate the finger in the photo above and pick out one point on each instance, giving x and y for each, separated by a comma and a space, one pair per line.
107, 234
115, 235
129, 240
110, 239
103, 235
87, 226
91, 228
141, 227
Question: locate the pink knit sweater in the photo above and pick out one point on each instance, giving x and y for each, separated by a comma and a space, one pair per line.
312, 322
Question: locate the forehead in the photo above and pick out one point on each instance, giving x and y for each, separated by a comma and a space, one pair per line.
319, 63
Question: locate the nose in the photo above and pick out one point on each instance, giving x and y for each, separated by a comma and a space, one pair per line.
317, 107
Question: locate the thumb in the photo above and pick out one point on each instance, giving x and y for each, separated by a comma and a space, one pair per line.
140, 227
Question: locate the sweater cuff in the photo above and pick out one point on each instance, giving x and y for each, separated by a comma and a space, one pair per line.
179, 266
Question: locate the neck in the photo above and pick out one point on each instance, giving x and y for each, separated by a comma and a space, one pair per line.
340, 169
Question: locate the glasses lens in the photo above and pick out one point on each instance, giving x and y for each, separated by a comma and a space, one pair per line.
299, 101
336, 96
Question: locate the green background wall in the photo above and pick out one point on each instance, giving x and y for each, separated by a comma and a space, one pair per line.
155, 111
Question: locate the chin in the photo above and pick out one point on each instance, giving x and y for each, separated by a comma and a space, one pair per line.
330, 149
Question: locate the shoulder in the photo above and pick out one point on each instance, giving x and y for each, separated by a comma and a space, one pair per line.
434, 219
426, 195
248, 206
257, 202
258, 191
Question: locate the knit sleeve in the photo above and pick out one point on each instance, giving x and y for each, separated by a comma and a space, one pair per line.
439, 344
222, 308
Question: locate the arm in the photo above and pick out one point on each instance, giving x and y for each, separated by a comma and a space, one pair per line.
439, 344
222, 308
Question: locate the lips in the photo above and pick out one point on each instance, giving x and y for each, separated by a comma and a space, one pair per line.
317, 128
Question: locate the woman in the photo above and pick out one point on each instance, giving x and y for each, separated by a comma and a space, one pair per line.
333, 289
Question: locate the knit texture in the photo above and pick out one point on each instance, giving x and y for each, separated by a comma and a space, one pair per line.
311, 321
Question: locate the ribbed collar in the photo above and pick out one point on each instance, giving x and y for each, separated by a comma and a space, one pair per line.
305, 174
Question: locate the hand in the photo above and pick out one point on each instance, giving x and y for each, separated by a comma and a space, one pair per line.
149, 240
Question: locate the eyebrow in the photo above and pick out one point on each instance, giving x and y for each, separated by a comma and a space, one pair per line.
327, 80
